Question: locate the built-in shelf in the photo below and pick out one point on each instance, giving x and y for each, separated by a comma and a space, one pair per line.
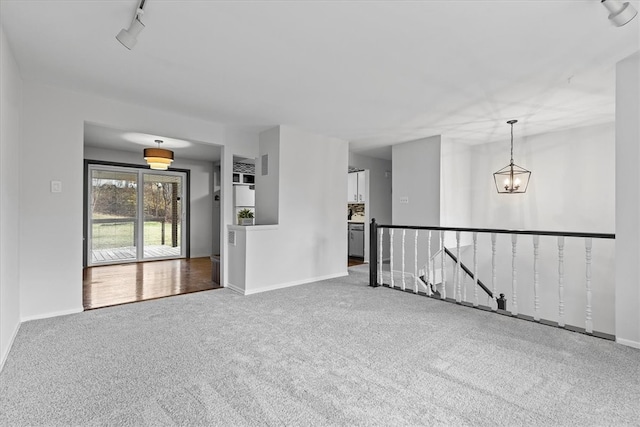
244, 178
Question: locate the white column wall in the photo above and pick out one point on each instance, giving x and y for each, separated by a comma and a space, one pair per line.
627, 303
455, 184
51, 223
10, 118
417, 176
267, 186
313, 189
309, 241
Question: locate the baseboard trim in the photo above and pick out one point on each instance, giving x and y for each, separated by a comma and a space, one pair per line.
628, 343
52, 314
296, 283
6, 355
235, 288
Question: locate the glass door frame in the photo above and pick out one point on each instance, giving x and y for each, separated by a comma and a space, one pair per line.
90, 165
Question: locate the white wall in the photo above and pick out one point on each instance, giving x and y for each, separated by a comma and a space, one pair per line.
309, 242
572, 185
378, 203
10, 118
628, 201
268, 186
201, 193
51, 223
455, 184
416, 175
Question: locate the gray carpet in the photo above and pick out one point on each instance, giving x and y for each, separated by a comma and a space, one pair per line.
329, 353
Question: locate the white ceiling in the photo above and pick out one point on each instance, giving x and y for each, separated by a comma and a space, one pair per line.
374, 73
117, 139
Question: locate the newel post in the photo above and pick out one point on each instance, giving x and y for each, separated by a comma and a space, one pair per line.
373, 253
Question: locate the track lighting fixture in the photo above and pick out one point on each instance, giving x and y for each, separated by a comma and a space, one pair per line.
619, 13
129, 37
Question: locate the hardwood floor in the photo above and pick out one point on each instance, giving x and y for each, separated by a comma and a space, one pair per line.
108, 285
354, 261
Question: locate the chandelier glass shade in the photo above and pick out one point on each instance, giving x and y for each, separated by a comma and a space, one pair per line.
158, 158
512, 178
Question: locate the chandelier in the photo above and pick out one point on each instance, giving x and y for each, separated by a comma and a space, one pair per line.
512, 178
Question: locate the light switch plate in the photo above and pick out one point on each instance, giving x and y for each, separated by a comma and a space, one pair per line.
56, 186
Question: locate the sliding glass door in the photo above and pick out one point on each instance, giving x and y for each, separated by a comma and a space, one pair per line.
162, 215
113, 198
134, 215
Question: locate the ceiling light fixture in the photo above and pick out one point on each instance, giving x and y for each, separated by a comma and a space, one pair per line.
129, 37
158, 158
619, 13
512, 178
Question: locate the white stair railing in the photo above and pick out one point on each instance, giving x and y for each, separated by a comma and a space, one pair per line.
531, 294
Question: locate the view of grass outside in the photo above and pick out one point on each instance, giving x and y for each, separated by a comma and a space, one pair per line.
122, 234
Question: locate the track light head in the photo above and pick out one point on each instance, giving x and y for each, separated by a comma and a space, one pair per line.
619, 13
129, 37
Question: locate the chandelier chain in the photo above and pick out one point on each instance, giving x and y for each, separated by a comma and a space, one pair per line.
511, 143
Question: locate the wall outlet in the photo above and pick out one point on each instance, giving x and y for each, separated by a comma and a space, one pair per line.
56, 186
404, 200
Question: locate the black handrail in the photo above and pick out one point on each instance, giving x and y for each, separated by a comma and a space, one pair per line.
466, 270
505, 231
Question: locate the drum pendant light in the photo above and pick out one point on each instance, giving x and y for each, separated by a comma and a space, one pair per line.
158, 158
512, 178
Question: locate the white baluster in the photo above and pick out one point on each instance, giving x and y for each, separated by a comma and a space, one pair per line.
588, 321
514, 281
475, 268
536, 296
561, 281
391, 282
404, 232
415, 263
494, 279
464, 287
443, 293
456, 271
380, 281
427, 272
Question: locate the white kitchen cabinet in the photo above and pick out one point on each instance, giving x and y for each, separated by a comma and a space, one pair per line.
357, 186
362, 186
352, 181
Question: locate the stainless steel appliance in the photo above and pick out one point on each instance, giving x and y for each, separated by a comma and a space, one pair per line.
356, 240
